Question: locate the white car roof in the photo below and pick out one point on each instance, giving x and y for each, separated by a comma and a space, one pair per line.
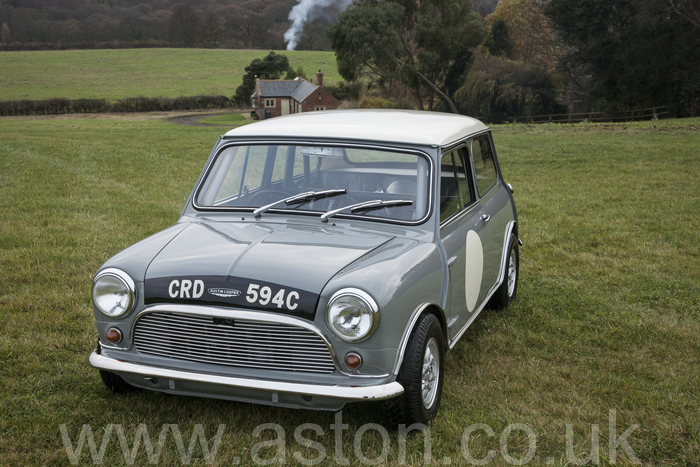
404, 126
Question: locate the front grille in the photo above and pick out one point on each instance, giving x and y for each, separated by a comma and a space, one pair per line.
241, 343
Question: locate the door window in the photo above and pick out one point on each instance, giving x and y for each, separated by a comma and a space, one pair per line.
483, 164
454, 184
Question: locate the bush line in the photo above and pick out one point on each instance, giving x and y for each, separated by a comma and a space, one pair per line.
61, 105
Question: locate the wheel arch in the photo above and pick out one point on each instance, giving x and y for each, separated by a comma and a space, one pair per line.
424, 309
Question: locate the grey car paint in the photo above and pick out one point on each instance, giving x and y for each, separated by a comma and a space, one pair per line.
406, 269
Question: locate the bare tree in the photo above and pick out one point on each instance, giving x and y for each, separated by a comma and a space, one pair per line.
687, 11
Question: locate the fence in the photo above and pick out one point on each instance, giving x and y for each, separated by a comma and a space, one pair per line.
626, 116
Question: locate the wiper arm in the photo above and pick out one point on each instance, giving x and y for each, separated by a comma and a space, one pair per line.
300, 198
366, 206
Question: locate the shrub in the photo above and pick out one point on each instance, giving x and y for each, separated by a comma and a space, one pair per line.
497, 88
61, 105
370, 102
89, 105
344, 91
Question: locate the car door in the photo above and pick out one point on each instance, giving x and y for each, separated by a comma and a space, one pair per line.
460, 224
494, 209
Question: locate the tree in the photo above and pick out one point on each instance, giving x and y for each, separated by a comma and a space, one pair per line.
417, 44
270, 67
638, 53
497, 88
529, 31
5, 34
498, 41
252, 30
212, 30
184, 27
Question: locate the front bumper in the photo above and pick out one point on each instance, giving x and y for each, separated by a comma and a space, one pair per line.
243, 389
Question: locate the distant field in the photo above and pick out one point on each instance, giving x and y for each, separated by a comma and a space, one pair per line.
116, 74
602, 341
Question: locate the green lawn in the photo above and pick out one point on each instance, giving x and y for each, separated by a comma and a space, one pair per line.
606, 324
230, 119
117, 74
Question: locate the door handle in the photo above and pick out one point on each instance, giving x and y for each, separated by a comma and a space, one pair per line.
485, 217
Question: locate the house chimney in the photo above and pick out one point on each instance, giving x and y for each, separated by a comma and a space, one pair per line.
319, 78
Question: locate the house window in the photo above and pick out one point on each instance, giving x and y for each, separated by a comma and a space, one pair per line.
269, 102
320, 107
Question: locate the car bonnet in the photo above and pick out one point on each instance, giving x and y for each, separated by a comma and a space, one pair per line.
254, 265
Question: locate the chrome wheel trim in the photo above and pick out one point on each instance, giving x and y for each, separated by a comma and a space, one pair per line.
430, 374
512, 273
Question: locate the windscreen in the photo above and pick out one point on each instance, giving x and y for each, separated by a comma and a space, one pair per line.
305, 179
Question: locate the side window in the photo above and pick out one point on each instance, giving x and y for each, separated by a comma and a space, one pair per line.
483, 164
454, 184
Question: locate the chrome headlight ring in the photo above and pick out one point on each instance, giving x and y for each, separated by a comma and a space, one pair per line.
113, 292
352, 315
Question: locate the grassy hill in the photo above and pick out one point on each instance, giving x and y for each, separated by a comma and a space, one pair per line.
117, 74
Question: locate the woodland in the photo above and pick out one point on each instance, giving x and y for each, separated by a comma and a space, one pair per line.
489, 58
248, 24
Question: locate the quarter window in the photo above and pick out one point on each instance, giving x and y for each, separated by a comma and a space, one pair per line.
484, 165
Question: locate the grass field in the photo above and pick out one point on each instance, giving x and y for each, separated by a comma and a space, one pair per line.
604, 335
230, 119
117, 74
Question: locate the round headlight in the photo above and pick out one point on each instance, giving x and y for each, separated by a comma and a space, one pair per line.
113, 292
352, 315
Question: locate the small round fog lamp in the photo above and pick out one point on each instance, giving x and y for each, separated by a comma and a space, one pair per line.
114, 335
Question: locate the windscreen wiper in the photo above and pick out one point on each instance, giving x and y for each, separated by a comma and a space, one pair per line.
300, 198
366, 206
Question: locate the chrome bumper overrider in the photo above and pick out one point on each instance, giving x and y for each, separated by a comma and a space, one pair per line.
350, 393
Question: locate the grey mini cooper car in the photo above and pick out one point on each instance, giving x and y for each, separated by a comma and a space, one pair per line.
322, 258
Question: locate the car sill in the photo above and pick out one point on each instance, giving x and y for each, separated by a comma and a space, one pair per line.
350, 393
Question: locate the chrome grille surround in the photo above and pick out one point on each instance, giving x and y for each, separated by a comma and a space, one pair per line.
247, 340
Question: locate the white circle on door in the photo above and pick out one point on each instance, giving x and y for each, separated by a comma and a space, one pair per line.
474, 269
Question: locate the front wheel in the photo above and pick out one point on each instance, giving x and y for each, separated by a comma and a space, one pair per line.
421, 374
505, 294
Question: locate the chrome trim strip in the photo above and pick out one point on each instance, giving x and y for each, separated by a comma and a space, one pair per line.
353, 393
501, 275
467, 210
404, 340
471, 320
504, 254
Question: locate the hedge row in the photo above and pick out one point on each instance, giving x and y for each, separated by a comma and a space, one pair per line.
62, 105
116, 44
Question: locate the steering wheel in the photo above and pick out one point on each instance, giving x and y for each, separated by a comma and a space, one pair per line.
263, 197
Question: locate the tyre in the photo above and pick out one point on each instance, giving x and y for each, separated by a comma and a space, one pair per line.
115, 383
506, 292
421, 374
